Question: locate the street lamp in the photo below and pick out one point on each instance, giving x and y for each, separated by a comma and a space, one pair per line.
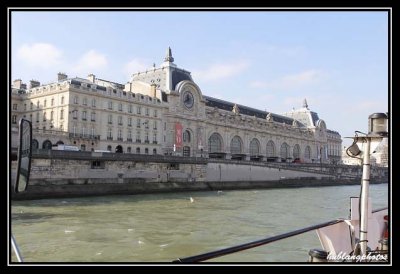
362, 146
377, 124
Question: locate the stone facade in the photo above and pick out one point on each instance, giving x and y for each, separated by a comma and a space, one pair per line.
58, 174
379, 157
92, 115
381, 154
163, 111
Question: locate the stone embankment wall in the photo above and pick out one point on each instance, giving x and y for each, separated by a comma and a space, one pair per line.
65, 174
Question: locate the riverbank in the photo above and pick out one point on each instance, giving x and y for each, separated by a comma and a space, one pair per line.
74, 190
78, 174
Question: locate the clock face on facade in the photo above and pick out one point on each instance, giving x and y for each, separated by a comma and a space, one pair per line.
188, 99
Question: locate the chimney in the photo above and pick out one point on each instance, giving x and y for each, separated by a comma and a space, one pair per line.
153, 90
61, 76
17, 84
33, 84
91, 77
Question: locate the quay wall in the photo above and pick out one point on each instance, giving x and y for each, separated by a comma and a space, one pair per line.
73, 174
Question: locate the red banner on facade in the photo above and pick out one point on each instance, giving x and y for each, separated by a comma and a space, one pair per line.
178, 134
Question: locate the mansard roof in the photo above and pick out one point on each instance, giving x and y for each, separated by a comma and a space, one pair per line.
225, 105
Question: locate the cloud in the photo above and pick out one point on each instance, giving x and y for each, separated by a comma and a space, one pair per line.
259, 84
220, 71
41, 55
291, 81
91, 61
134, 66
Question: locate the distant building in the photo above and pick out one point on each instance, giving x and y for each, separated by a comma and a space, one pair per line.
163, 111
381, 154
378, 158
347, 160
328, 142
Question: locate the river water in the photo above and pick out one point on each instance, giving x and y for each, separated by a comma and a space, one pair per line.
163, 227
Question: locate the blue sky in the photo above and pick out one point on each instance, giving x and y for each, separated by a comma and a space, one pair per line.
267, 60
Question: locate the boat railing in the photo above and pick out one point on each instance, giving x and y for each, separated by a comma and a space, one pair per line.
15, 247
241, 247
238, 248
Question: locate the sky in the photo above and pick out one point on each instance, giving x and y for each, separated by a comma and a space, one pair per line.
269, 60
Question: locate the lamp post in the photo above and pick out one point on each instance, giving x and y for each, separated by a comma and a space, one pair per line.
377, 130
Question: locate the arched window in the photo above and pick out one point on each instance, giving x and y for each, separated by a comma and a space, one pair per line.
254, 147
236, 145
270, 149
154, 151
215, 143
35, 144
186, 136
284, 151
138, 150
119, 149
307, 152
47, 145
109, 148
296, 151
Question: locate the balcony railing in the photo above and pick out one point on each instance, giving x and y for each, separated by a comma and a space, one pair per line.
84, 136
49, 132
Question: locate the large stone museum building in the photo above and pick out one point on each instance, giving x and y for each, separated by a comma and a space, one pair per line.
163, 111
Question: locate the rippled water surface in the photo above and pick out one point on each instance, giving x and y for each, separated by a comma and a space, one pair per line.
164, 227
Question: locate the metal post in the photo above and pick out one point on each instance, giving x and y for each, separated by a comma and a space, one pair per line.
364, 198
16, 249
